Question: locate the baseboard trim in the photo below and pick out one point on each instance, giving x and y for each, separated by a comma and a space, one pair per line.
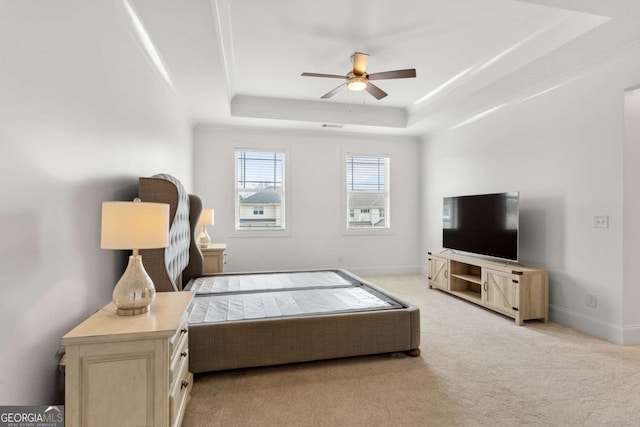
593, 326
631, 335
385, 271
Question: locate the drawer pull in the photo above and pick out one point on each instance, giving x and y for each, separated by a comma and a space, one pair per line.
184, 330
183, 354
184, 384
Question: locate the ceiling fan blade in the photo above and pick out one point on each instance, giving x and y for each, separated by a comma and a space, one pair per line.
375, 91
396, 74
331, 76
359, 63
332, 92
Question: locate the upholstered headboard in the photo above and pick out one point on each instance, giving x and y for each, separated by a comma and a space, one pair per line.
166, 265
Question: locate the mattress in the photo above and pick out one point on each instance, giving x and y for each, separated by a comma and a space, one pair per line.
240, 297
305, 302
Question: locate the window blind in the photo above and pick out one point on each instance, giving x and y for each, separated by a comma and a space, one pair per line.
259, 190
367, 191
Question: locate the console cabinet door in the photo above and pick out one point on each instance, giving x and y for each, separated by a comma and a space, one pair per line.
500, 292
438, 272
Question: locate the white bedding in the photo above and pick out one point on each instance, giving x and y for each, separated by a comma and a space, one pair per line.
221, 308
273, 281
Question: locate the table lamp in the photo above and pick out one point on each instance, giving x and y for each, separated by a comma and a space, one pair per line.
206, 218
134, 225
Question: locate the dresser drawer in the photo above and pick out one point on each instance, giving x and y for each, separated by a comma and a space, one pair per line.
181, 331
180, 394
179, 357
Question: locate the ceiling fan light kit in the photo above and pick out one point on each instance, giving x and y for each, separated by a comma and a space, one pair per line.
357, 84
358, 80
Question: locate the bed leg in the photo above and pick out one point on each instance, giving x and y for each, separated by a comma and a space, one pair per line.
414, 352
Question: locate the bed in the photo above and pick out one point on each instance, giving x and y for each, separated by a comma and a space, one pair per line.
249, 319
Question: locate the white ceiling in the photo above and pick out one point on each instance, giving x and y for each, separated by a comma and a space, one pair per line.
239, 61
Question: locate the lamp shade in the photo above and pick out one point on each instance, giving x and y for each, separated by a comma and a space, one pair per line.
134, 225
206, 217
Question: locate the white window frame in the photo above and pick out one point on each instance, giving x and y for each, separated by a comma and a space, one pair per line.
347, 230
258, 231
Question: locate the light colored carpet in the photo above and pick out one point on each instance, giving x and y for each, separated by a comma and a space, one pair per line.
476, 368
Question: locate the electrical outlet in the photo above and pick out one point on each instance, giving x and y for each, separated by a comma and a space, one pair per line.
601, 221
591, 300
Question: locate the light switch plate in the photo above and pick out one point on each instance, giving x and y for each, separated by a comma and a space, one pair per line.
601, 221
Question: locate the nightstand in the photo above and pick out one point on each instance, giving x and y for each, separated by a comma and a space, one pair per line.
130, 370
214, 258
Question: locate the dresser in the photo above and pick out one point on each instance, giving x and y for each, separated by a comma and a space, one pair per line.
214, 258
130, 370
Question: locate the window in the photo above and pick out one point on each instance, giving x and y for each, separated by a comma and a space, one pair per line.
259, 190
367, 192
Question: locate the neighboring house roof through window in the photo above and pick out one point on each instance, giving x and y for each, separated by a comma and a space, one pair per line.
261, 199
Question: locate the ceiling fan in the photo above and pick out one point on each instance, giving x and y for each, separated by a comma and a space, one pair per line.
358, 79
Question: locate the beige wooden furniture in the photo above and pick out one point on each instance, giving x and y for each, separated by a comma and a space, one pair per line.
213, 258
511, 289
130, 370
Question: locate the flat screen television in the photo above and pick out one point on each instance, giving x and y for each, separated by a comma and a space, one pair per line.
484, 224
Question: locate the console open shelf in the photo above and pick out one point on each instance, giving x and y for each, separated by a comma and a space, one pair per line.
468, 278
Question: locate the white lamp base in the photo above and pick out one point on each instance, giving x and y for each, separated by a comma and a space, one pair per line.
134, 292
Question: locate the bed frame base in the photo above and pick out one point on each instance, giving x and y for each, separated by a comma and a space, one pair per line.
215, 347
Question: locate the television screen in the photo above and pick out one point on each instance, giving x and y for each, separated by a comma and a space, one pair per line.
485, 224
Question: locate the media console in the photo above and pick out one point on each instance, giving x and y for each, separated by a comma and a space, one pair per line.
508, 288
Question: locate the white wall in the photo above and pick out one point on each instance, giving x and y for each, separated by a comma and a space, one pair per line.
82, 116
563, 150
315, 217
631, 290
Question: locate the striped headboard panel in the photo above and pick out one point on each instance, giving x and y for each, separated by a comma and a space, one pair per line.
194, 269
